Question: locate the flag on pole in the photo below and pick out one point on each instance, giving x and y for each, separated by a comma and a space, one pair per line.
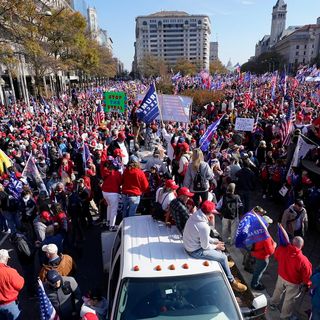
255, 124
252, 228
47, 311
283, 83
86, 156
99, 115
283, 236
286, 125
15, 186
149, 108
31, 172
247, 99
206, 138
5, 162
273, 84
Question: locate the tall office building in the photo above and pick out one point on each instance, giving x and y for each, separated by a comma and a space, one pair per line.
93, 23
214, 51
173, 35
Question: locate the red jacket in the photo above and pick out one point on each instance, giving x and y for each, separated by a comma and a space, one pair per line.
293, 266
134, 182
263, 249
10, 284
111, 180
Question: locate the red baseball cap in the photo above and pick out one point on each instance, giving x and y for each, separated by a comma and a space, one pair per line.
184, 191
208, 207
90, 316
45, 215
118, 153
122, 135
170, 184
18, 174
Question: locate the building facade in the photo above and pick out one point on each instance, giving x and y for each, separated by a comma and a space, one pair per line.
278, 22
56, 4
214, 46
173, 35
93, 23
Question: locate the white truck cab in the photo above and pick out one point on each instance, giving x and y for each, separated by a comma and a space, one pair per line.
152, 277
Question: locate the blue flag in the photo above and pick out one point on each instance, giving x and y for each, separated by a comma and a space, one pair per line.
85, 155
252, 228
206, 138
149, 109
283, 236
15, 186
40, 129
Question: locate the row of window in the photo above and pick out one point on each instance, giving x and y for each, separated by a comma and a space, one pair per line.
305, 46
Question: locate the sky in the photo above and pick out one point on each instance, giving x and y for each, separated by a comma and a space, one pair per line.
236, 24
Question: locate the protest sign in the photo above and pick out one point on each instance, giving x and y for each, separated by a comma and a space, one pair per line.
114, 101
244, 124
173, 107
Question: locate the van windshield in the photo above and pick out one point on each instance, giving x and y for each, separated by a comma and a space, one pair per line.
201, 297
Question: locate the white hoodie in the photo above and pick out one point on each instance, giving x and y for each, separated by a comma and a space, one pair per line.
196, 233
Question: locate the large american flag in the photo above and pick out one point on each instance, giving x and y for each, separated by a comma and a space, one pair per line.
247, 99
286, 125
99, 115
47, 311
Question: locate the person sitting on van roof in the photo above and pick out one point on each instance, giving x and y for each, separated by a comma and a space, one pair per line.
198, 243
178, 208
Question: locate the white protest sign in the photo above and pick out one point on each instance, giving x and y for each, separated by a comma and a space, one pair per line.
244, 124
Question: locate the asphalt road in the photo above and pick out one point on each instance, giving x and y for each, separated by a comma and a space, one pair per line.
89, 261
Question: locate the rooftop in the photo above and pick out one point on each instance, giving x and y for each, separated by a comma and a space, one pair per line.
171, 14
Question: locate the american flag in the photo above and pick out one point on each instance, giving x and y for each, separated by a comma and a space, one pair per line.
99, 115
286, 125
47, 311
255, 124
247, 99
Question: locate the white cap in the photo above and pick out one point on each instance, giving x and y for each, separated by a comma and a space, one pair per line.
267, 219
4, 254
50, 248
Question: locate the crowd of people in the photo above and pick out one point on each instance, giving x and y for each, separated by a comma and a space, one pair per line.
66, 168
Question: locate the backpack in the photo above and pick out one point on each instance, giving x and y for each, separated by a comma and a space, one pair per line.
158, 212
199, 182
229, 209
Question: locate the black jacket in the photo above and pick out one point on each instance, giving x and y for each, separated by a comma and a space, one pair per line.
246, 180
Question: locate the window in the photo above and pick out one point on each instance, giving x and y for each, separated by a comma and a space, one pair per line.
297, 47
297, 53
204, 296
305, 46
304, 53
144, 23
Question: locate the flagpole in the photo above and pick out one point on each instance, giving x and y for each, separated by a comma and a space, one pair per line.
315, 143
160, 112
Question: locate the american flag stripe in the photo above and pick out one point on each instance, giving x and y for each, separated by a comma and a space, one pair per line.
286, 126
99, 115
47, 311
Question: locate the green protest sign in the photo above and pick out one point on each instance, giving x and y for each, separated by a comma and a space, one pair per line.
114, 101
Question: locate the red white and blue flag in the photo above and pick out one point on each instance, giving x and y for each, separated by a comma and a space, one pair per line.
286, 125
47, 311
99, 115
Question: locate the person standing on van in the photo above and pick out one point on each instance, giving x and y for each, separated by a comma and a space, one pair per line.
134, 184
199, 245
230, 207
112, 180
198, 177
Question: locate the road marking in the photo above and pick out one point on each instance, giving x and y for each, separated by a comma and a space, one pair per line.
4, 238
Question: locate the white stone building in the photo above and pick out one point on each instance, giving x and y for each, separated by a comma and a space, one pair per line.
173, 35
93, 23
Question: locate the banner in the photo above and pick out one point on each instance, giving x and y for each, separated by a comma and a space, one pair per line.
173, 107
149, 108
5, 162
114, 101
252, 228
244, 124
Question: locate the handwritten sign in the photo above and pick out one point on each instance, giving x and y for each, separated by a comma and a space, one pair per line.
114, 101
244, 124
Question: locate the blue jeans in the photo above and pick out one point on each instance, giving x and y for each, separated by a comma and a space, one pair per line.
130, 205
9, 311
259, 268
315, 314
215, 256
13, 220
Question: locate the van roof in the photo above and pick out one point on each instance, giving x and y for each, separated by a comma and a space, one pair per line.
148, 243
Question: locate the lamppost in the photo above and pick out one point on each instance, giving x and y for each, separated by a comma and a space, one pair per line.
2, 84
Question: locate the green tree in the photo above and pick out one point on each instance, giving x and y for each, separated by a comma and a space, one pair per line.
217, 67
151, 66
185, 67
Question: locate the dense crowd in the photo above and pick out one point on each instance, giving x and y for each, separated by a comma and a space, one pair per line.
66, 167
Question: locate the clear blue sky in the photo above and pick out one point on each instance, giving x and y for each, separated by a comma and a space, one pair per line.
237, 24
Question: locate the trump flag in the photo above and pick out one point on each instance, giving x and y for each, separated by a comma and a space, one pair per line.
149, 108
252, 228
206, 138
283, 236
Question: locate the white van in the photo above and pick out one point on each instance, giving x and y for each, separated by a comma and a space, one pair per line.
152, 277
